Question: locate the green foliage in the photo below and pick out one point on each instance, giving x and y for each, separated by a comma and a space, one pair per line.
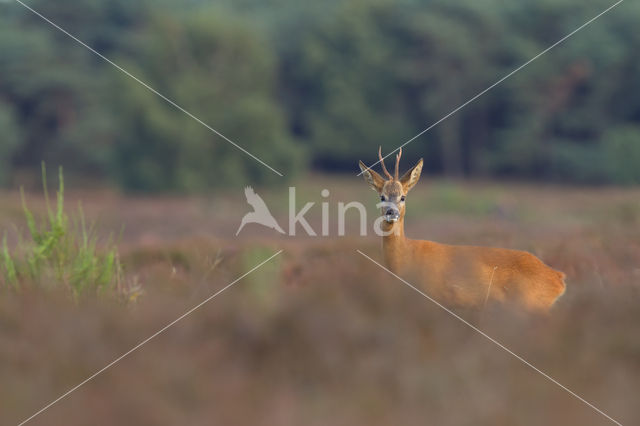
292, 81
262, 291
9, 140
222, 73
10, 274
59, 253
621, 156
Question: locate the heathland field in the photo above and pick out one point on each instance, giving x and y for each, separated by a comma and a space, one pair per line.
320, 335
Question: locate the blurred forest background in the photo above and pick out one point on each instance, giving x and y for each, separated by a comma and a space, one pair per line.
320, 85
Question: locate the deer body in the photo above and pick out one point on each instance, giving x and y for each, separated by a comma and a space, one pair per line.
459, 275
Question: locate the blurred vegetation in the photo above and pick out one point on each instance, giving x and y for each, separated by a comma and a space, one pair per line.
60, 253
319, 85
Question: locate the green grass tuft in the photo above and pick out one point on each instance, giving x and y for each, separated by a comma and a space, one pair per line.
62, 253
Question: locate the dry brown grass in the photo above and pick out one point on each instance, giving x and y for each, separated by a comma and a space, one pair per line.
321, 335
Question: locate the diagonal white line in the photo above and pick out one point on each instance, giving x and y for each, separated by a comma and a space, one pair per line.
500, 345
151, 89
163, 329
498, 82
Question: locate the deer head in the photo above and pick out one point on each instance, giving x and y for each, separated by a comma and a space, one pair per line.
392, 190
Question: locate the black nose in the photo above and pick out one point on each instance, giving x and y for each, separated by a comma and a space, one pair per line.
390, 212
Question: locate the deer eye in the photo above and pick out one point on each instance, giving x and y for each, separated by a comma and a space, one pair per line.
402, 198
382, 198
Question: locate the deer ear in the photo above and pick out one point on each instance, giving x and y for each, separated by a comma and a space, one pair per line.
409, 179
373, 178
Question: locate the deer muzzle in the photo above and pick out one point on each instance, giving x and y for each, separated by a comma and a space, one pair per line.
391, 214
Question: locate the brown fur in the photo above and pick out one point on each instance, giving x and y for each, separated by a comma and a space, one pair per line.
461, 275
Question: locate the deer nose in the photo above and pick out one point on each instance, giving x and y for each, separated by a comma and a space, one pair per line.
391, 212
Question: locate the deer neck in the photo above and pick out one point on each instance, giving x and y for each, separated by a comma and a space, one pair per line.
394, 244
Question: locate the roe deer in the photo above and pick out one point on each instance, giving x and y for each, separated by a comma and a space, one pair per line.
458, 275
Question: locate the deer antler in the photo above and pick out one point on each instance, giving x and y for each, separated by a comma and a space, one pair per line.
384, 168
398, 155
